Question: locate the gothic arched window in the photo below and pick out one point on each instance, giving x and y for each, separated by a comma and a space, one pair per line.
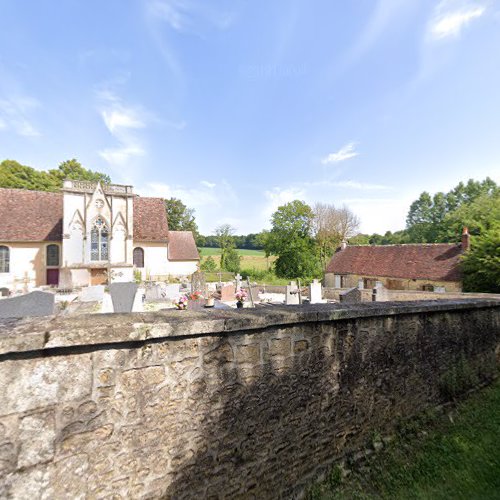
138, 257
4, 259
52, 255
99, 240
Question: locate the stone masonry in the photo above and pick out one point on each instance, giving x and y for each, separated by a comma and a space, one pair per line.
239, 404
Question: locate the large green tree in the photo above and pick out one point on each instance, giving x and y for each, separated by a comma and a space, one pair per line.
431, 219
291, 239
180, 217
481, 265
15, 175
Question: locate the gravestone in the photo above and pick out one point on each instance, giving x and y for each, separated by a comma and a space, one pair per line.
238, 281
4, 292
198, 283
227, 293
123, 295
352, 296
32, 304
379, 293
153, 293
92, 294
292, 294
172, 292
65, 280
315, 296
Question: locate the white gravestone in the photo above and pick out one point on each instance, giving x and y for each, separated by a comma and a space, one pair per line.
292, 294
315, 293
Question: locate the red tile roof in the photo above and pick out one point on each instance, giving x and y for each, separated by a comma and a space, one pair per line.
37, 216
30, 215
182, 246
150, 220
437, 262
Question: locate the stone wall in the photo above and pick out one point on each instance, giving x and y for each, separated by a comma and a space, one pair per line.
248, 403
352, 280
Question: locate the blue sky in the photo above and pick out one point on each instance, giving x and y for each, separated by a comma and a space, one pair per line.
239, 106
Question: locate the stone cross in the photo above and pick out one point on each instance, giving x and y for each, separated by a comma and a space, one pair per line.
238, 281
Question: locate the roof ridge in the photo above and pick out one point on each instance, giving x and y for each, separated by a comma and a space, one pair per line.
401, 245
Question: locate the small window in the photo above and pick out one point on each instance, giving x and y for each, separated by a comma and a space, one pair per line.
4, 259
428, 288
138, 257
53, 255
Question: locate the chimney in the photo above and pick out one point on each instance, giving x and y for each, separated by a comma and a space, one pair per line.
343, 245
465, 240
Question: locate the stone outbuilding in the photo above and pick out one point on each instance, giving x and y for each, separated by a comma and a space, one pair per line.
428, 267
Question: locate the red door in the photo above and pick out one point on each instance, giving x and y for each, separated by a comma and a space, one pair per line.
53, 277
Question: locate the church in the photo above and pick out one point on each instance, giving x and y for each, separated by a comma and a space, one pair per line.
88, 234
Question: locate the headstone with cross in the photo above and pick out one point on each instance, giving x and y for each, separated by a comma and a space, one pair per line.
238, 281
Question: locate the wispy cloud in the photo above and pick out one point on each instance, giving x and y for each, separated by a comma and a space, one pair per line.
186, 15
212, 206
362, 186
344, 153
452, 16
121, 121
15, 115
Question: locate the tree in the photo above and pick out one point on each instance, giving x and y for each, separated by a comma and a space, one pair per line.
180, 217
428, 218
209, 265
72, 169
232, 261
225, 239
291, 240
331, 226
481, 265
15, 175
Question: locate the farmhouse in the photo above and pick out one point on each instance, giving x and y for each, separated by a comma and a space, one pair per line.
86, 234
429, 267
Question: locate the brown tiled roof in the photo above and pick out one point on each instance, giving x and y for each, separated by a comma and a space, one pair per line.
150, 220
30, 215
438, 262
182, 246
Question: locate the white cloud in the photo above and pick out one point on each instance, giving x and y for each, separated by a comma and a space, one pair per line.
363, 186
344, 153
184, 15
210, 185
277, 197
452, 16
122, 121
15, 114
120, 156
212, 206
121, 118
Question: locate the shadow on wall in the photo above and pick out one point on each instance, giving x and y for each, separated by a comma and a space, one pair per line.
271, 411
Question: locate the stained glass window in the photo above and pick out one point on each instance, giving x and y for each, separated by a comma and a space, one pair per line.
53, 255
99, 240
4, 259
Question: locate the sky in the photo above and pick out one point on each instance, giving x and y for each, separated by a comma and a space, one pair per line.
239, 106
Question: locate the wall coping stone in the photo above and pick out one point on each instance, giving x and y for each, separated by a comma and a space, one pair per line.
90, 331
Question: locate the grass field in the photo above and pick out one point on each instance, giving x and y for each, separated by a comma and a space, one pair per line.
455, 455
205, 251
251, 259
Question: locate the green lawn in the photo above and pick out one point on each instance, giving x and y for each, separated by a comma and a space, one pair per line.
455, 455
206, 251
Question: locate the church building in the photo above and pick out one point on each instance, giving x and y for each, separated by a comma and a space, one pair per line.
89, 233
